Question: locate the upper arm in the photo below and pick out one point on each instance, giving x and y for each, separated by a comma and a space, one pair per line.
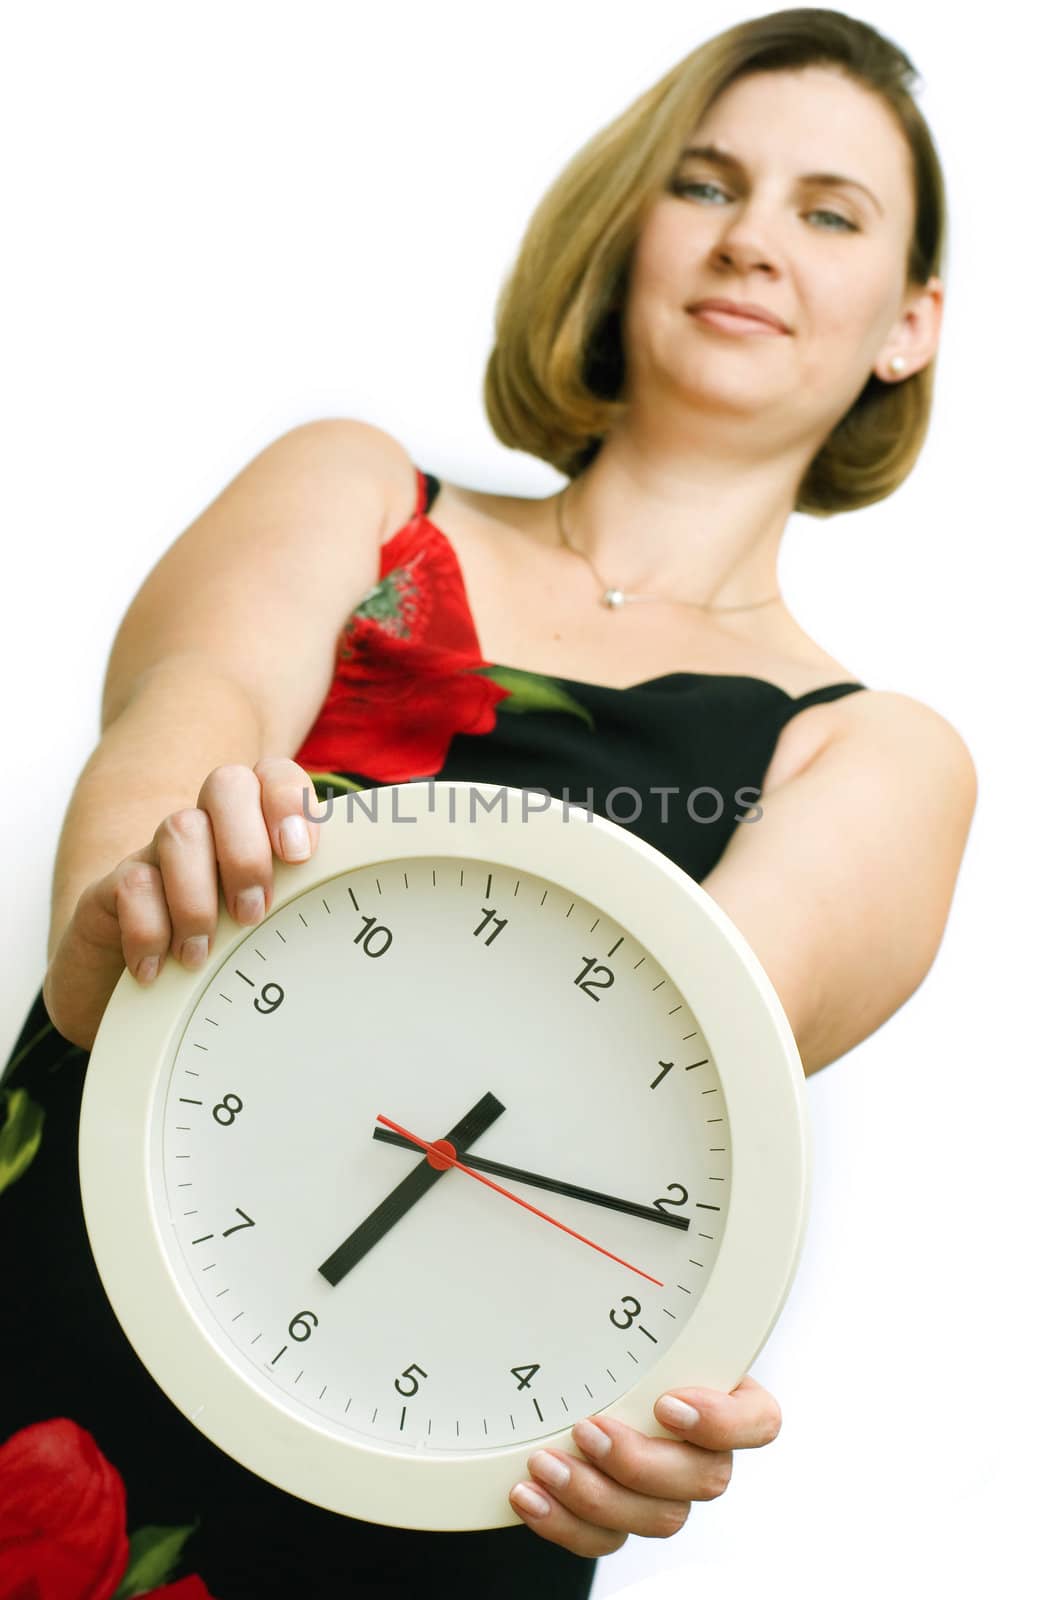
259, 585
843, 886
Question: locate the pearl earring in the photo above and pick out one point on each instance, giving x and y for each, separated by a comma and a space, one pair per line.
897, 364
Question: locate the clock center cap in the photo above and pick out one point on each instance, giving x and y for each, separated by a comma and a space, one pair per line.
441, 1154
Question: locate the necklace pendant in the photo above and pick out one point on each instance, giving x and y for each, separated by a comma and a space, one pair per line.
613, 598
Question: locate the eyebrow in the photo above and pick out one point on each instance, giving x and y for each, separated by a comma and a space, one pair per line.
722, 158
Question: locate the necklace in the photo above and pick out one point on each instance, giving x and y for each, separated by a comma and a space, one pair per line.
615, 598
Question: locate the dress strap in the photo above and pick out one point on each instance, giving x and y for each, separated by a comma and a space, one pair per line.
829, 691
429, 487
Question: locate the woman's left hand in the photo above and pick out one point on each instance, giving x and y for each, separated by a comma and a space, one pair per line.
646, 1485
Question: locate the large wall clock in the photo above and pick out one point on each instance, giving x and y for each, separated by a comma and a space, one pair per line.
493, 1123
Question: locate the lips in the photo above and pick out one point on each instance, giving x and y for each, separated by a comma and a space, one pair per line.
742, 308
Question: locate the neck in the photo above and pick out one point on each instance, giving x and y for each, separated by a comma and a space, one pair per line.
682, 523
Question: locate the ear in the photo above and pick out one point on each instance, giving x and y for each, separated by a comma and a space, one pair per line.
915, 337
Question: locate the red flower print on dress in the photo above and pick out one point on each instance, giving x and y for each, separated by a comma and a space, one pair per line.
407, 676
62, 1525
409, 672
62, 1515
391, 713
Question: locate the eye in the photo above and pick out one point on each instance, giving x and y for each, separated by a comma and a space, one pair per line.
845, 223
685, 187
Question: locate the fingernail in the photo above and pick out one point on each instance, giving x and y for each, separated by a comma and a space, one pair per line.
528, 1499
193, 951
294, 838
591, 1439
676, 1413
147, 969
551, 1469
249, 905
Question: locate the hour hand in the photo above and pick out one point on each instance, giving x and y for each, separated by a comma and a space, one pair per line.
537, 1180
410, 1189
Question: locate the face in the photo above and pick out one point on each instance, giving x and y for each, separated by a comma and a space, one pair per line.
827, 258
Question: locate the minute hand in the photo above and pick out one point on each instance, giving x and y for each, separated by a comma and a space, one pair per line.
556, 1185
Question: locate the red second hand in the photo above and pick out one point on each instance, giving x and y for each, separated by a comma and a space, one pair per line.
440, 1153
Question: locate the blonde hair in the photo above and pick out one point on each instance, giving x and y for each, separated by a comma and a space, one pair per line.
555, 373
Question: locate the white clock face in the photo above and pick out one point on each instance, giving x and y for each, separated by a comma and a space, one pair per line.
441, 993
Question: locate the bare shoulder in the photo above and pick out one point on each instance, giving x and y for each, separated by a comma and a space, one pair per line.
880, 731
366, 450
890, 711
283, 552
844, 892
896, 733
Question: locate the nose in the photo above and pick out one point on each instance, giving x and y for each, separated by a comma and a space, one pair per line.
742, 252
741, 242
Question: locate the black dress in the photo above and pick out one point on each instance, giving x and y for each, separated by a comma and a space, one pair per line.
678, 759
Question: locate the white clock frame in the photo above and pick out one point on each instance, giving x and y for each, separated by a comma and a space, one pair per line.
722, 981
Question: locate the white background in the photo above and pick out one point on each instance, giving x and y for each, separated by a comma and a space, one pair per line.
225, 219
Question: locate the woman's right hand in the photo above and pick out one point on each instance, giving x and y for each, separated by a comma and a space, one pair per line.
163, 898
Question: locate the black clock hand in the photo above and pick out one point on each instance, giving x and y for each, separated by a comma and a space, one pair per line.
556, 1185
410, 1189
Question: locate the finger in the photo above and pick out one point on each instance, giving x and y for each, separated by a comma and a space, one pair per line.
133, 896
184, 845
287, 793
663, 1469
592, 1497
745, 1419
231, 795
552, 1520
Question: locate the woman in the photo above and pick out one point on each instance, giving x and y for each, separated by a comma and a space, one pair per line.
783, 168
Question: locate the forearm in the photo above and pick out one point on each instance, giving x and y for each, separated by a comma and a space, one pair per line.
184, 720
